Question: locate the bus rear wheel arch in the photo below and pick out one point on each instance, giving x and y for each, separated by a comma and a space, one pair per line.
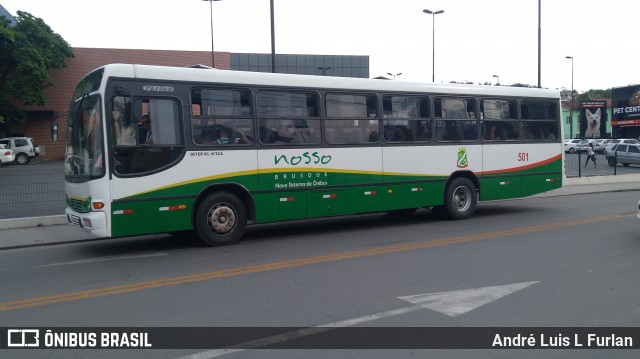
221, 219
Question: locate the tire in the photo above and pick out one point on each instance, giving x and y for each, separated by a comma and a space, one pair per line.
572, 150
22, 159
221, 219
460, 199
611, 161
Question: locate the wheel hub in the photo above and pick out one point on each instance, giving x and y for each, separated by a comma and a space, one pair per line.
221, 219
461, 199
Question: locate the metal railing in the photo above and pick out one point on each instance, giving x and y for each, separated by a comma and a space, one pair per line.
576, 165
32, 190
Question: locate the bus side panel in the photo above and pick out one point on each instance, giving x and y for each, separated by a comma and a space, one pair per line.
152, 216
401, 196
330, 202
433, 193
362, 199
537, 167
503, 187
271, 207
534, 184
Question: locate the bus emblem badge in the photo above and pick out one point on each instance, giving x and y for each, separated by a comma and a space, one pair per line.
462, 158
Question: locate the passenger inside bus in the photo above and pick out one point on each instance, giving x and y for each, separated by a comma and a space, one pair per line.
492, 133
146, 124
268, 135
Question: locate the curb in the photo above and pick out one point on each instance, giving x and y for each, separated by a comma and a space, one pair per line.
580, 181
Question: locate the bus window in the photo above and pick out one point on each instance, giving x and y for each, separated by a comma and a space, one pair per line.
288, 117
455, 119
499, 120
221, 117
351, 119
125, 131
406, 119
540, 120
159, 140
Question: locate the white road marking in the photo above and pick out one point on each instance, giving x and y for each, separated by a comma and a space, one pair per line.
461, 301
107, 258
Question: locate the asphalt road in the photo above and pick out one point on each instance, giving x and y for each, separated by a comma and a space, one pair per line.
566, 262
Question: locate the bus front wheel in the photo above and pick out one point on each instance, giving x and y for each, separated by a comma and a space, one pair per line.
221, 219
460, 199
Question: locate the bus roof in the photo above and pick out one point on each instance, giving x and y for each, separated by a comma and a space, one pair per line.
208, 75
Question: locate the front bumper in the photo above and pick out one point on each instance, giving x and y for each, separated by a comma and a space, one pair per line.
92, 222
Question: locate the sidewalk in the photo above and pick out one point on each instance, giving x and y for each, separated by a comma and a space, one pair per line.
53, 229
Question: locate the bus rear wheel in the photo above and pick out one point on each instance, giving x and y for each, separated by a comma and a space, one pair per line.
221, 219
460, 199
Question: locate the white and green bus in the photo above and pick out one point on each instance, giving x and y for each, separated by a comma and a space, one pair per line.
155, 149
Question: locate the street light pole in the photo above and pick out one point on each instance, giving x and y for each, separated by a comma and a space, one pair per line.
433, 42
498, 79
213, 61
571, 109
273, 40
539, 44
394, 75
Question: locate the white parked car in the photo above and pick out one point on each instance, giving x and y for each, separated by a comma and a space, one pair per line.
570, 145
602, 145
22, 147
6, 155
584, 144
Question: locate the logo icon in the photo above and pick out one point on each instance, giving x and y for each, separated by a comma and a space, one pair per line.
463, 162
23, 338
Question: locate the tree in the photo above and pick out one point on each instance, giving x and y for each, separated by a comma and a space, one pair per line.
28, 51
521, 85
594, 94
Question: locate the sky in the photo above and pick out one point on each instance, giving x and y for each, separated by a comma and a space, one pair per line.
474, 39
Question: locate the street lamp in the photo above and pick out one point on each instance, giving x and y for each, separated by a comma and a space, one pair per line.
433, 42
324, 70
498, 79
394, 75
571, 109
213, 61
273, 40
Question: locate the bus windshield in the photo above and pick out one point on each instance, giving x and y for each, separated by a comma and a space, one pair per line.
84, 157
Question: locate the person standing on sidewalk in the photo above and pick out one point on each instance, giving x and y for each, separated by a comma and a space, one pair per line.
591, 155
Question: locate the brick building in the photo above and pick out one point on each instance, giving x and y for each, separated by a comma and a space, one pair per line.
39, 119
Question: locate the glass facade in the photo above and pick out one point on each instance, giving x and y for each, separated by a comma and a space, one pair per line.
328, 65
